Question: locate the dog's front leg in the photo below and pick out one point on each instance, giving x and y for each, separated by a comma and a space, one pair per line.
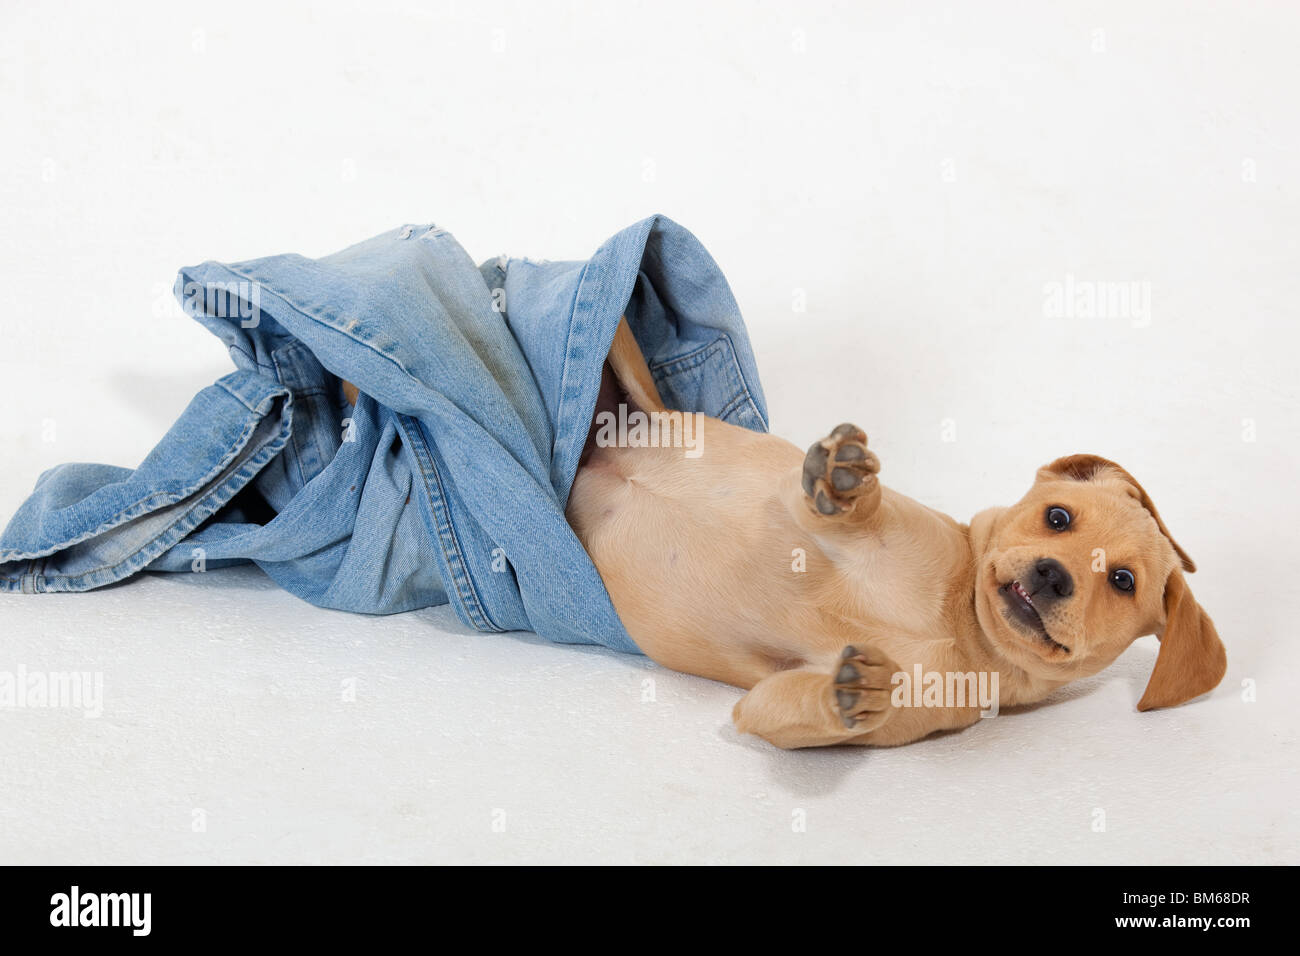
808, 707
863, 698
837, 485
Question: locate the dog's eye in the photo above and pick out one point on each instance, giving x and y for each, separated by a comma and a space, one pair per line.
1122, 579
1058, 519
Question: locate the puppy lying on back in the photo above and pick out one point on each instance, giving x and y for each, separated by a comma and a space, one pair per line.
800, 577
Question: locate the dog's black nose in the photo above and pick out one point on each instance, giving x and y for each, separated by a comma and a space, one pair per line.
1051, 575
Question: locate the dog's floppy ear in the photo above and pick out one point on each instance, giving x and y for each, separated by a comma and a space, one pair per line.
1192, 660
1087, 467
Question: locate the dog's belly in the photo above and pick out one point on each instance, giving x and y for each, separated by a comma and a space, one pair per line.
710, 573
690, 548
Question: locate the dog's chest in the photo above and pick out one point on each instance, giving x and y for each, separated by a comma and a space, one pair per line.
899, 574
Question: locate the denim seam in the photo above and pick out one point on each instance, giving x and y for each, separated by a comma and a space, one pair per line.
565, 387
314, 315
203, 508
144, 505
571, 390
308, 453
294, 440
736, 401
682, 363
234, 347
701, 355
221, 382
740, 370
449, 540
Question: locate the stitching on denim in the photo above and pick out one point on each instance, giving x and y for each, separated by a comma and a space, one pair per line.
315, 316
744, 384
217, 497
735, 402
697, 356
147, 503
234, 347
294, 438
568, 338
462, 579
216, 492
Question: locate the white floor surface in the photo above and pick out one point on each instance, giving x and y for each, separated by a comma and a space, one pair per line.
893, 189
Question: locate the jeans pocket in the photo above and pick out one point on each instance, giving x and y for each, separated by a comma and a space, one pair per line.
709, 379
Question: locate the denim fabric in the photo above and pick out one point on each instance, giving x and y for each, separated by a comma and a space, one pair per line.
448, 480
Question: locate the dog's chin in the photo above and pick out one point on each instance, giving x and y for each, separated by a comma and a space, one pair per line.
1022, 628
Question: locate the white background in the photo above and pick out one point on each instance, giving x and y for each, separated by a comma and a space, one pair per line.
915, 175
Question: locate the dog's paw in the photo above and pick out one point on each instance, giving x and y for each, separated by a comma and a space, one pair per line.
862, 686
838, 470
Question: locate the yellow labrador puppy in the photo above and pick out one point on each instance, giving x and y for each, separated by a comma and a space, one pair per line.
854, 614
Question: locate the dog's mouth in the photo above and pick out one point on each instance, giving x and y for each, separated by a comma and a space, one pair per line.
1021, 611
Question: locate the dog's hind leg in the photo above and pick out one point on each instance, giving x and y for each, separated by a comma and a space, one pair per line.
633, 374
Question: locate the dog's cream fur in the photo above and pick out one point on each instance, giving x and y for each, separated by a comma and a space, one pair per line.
803, 579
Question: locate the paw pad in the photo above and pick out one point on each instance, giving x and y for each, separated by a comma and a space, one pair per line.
862, 687
839, 469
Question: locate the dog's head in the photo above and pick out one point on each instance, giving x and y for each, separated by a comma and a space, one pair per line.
1080, 568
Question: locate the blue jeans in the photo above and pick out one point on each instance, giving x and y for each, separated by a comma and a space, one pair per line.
447, 482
